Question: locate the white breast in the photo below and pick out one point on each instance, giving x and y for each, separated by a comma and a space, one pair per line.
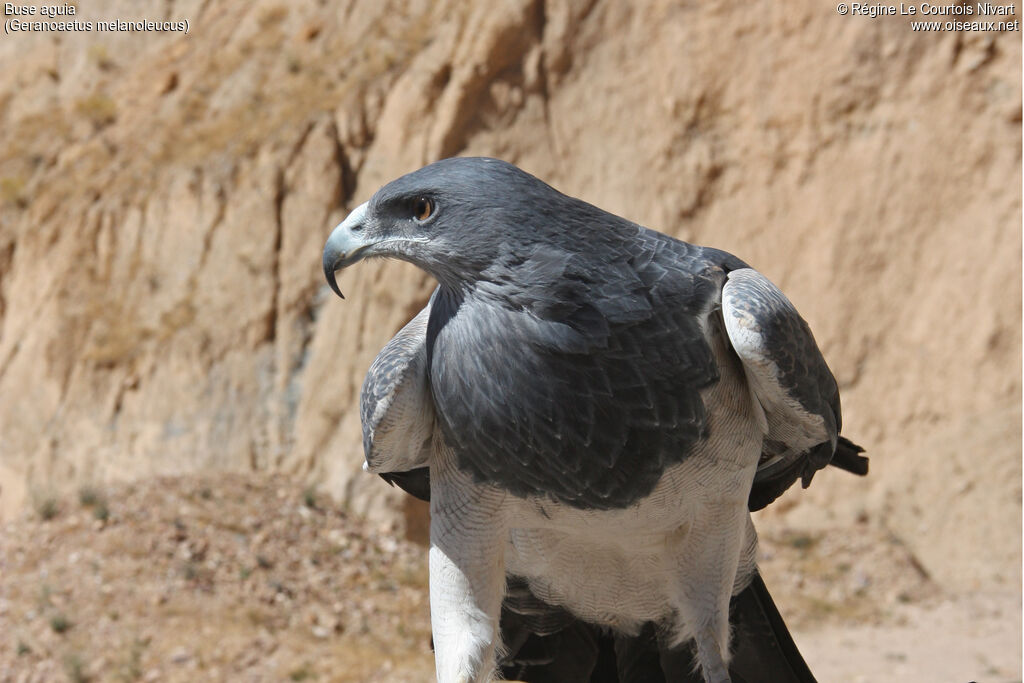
623, 567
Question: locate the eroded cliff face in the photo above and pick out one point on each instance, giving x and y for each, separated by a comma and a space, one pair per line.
166, 198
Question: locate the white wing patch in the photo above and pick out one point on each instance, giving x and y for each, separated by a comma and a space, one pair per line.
398, 413
749, 302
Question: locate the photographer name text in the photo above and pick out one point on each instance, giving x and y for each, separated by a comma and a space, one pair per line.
926, 16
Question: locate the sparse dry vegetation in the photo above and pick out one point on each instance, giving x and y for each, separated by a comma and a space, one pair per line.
12, 190
99, 108
46, 505
60, 623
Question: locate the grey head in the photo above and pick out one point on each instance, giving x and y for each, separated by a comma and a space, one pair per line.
462, 220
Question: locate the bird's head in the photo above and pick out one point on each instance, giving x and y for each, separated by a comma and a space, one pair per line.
455, 219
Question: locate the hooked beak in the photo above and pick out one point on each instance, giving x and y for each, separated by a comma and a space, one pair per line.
345, 246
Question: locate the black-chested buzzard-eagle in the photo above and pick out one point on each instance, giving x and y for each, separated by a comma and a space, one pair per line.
592, 409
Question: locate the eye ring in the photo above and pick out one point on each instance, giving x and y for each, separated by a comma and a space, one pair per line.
422, 208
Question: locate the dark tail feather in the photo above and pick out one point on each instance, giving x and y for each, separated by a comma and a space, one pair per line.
772, 483
763, 649
640, 659
572, 650
546, 644
414, 482
573, 653
847, 457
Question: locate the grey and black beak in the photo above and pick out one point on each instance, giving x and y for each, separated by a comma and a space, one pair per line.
345, 246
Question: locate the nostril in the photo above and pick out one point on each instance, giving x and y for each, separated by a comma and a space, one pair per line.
358, 227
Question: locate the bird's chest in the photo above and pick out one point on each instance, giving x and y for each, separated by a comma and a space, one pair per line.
538, 408
624, 567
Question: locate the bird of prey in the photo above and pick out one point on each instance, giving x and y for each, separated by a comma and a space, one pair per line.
592, 408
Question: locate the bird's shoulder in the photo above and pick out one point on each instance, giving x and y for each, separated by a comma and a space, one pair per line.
396, 411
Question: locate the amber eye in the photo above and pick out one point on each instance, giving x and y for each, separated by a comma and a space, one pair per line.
422, 209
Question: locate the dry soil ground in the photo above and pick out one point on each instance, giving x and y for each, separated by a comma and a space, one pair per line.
245, 578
